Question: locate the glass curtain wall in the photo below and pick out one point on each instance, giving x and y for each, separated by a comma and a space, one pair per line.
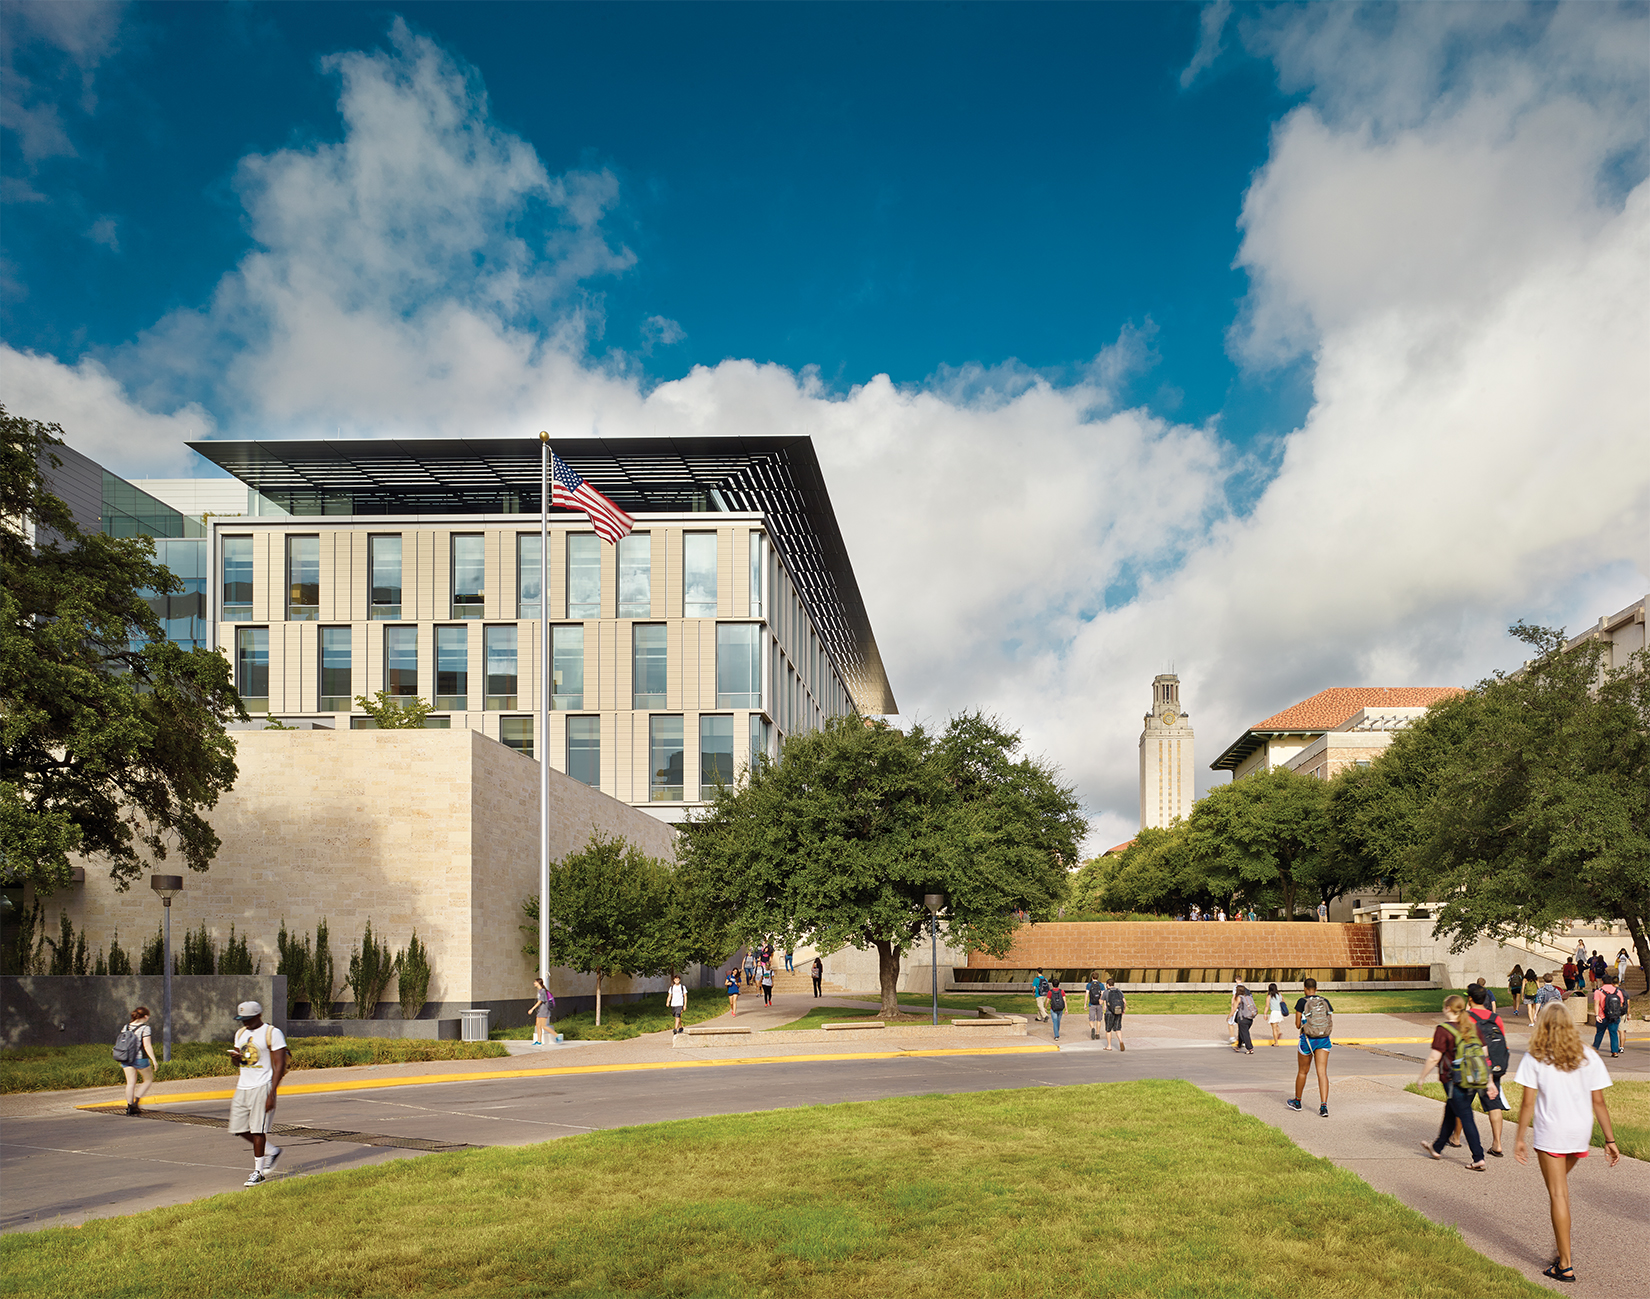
452, 667
761, 739
237, 579
699, 575
567, 667
501, 667
715, 754
469, 575
516, 733
400, 661
738, 665
756, 574
584, 750
664, 759
529, 575
648, 665
386, 577
335, 670
636, 576
252, 667
584, 575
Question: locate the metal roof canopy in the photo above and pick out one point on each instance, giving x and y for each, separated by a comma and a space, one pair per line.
778, 477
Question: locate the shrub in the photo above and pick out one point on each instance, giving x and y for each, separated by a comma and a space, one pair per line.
100, 967
319, 979
371, 967
392, 714
120, 962
236, 959
414, 962
294, 963
24, 954
62, 957
199, 952
152, 960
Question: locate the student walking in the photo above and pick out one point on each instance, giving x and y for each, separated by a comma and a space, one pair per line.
818, 969
767, 984
1532, 985
260, 1051
1545, 995
1056, 1006
541, 1012
1515, 985
1039, 991
1276, 1010
135, 1054
1571, 972
1609, 1005
1094, 993
750, 970
1564, 1084
676, 999
731, 987
1463, 1064
1243, 1011
789, 968
1494, 1033
1323, 913
1116, 1004
1315, 1021
1622, 962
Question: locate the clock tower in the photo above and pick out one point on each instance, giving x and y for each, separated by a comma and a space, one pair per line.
1165, 757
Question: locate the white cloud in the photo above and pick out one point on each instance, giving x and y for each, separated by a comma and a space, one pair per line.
1211, 32
58, 43
1442, 226
661, 331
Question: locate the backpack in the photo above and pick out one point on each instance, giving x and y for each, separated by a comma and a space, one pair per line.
128, 1045
1471, 1068
1613, 1006
1315, 1017
1038, 985
1495, 1042
1114, 1001
1246, 1007
1057, 1001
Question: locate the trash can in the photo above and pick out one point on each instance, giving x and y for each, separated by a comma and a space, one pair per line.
474, 1024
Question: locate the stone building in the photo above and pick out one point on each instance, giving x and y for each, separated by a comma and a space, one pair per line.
1339, 727
1165, 756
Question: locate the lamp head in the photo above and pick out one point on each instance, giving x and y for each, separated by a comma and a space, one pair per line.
168, 886
935, 902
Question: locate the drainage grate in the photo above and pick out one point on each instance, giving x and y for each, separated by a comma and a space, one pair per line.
314, 1134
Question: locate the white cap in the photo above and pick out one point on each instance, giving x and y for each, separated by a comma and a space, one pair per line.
248, 1010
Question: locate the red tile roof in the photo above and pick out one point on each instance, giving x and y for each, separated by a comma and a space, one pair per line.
1127, 843
1330, 708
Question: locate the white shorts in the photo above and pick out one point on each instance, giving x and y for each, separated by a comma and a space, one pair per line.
248, 1112
1274, 1018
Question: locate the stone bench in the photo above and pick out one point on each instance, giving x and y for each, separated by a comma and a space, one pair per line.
718, 1032
855, 1023
981, 1023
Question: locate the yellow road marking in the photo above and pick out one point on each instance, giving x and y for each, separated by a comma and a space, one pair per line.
419, 1080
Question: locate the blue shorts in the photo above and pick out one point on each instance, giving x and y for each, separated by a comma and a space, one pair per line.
1310, 1044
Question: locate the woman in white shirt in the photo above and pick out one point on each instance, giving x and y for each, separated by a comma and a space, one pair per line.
1564, 1084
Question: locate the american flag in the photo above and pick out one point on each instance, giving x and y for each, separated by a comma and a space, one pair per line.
571, 492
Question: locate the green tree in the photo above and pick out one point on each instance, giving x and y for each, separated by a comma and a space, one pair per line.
406, 713
320, 980
113, 737
1264, 832
200, 954
613, 910
842, 838
371, 967
1157, 872
120, 962
68, 949
293, 954
236, 958
1542, 808
414, 986
25, 952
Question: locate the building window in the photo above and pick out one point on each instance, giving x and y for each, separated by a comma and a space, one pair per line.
516, 733
567, 667
529, 574
756, 574
636, 576
715, 754
648, 665
699, 575
452, 667
335, 670
430, 723
501, 670
469, 575
386, 577
252, 667
738, 665
400, 661
303, 576
584, 575
237, 579
584, 750
761, 739
664, 747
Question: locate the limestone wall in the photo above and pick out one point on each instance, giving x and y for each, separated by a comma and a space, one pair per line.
1188, 945
1410, 942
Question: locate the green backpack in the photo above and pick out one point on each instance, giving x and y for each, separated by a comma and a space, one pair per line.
1471, 1069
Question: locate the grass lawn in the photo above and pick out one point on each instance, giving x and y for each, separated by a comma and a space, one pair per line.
1143, 1188
631, 1019
1396, 1001
1629, 1104
60, 1068
822, 1015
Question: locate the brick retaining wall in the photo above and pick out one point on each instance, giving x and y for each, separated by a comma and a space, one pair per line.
1206, 945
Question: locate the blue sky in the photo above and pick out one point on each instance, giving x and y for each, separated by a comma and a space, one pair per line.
875, 189
1295, 346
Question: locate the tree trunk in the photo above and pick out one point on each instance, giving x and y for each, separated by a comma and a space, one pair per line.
1641, 941
1288, 899
888, 977
598, 998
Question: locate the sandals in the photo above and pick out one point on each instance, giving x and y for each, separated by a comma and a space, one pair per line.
1477, 1167
1427, 1146
1559, 1273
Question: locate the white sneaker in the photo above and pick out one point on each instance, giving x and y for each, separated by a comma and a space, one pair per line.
269, 1160
257, 1179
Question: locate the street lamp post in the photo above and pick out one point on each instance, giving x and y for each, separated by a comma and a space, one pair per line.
935, 902
168, 886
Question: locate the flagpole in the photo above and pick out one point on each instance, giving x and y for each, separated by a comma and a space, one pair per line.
544, 708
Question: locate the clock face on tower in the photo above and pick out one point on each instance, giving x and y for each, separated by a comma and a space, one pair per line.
1168, 716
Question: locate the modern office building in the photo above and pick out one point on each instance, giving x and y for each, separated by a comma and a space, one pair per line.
1165, 756
727, 620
